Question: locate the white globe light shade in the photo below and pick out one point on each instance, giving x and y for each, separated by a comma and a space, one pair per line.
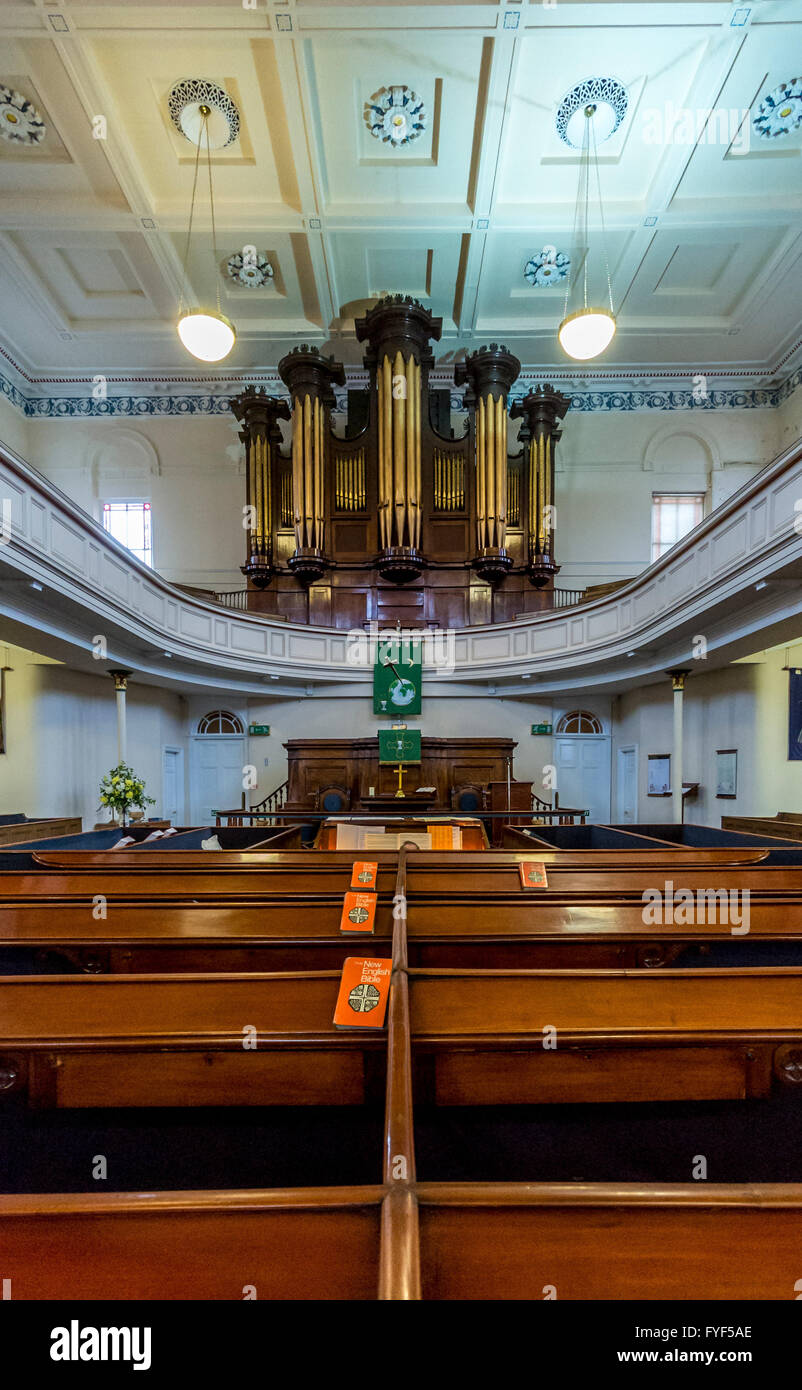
209, 337
586, 333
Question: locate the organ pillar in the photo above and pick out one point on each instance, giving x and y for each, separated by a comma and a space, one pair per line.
398, 330
309, 378
490, 372
120, 679
541, 412
260, 433
678, 686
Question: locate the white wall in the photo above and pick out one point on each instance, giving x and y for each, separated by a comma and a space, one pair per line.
61, 737
610, 465
14, 428
61, 734
742, 706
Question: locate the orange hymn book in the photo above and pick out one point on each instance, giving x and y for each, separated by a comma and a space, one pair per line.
359, 912
364, 991
533, 875
364, 874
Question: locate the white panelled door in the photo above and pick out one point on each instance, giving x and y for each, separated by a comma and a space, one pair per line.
628, 785
216, 763
172, 807
583, 773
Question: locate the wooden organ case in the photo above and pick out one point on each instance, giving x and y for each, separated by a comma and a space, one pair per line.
397, 523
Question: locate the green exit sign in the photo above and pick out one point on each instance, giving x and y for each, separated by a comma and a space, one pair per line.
258, 728
541, 728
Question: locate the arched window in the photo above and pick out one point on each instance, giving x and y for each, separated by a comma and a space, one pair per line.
579, 721
220, 721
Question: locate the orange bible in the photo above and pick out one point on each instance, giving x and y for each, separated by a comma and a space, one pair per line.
533, 875
359, 912
364, 874
364, 991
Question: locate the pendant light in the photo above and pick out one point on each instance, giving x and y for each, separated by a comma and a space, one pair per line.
207, 334
587, 331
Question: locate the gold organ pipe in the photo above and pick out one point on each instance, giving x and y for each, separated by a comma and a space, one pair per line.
409, 432
490, 470
399, 429
297, 473
308, 481
252, 495
546, 491
387, 455
501, 472
260, 516
540, 493
267, 509
318, 467
480, 470
417, 514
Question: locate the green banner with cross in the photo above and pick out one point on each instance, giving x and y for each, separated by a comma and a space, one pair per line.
399, 746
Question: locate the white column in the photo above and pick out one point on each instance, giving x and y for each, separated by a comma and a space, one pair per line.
120, 679
678, 685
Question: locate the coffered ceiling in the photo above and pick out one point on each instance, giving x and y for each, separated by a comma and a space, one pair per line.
704, 229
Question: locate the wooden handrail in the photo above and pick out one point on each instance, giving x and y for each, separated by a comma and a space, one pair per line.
399, 1259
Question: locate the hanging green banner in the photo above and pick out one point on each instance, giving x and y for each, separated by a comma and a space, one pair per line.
398, 675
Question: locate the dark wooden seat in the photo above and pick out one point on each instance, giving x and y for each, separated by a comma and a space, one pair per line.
333, 800
468, 799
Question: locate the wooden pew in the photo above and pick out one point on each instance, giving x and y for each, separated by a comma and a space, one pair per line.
613, 883
147, 936
620, 1035
105, 1040
442, 1241
306, 1243
312, 864
610, 1241
488, 1241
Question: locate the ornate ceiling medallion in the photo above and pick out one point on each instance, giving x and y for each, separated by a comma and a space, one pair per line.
548, 267
20, 122
780, 112
250, 268
610, 100
395, 115
185, 104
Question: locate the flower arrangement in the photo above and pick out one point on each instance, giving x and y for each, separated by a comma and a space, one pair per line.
121, 788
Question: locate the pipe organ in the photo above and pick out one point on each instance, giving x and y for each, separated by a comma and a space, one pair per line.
541, 410
394, 520
259, 415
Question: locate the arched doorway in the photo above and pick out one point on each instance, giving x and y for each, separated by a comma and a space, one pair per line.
582, 762
217, 758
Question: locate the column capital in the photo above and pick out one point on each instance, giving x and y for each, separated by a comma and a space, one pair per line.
120, 679
678, 679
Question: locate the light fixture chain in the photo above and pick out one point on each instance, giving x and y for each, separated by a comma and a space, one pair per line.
603, 227
586, 238
211, 205
189, 230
